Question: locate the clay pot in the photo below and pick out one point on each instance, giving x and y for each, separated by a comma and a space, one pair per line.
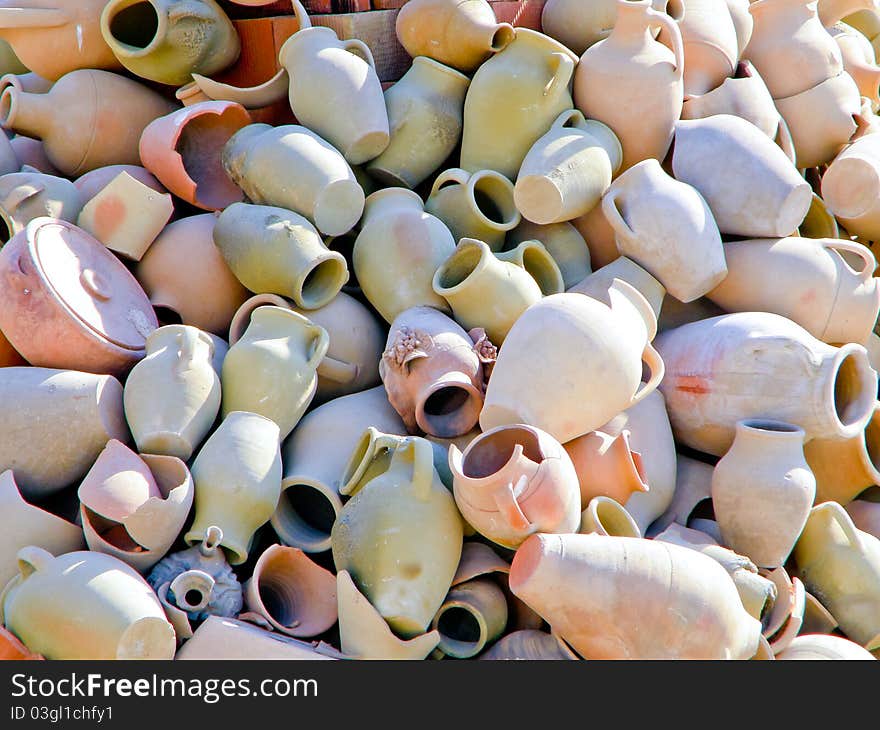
569, 330
633, 83
564, 244
790, 47
841, 565
751, 187
260, 159
607, 466
26, 524
187, 279
473, 615
598, 592
858, 61
397, 252
425, 111
84, 605
133, 508
514, 481
529, 644
822, 293
460, 34
310, 500
736, 366
479, 205
849, 184
92, 183
414, 516
172, 397
273, 250
820, 647
183, 150
68, 302
271, 369
513, 99
666, 226
165, 42
711, 49
567, 171
762, 491
104, 115
434, 373
296, 596
70, 29
28, 195
237, 475
605, 516
598, 283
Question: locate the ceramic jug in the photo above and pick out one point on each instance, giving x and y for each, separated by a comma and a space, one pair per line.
593, 377
823, 293
412, 515
633, 83
172, 396
477, 205
28, 195
598, 591
397, 251
666, 227
607, 466
103, 117
762, 491
473, 615
460, 34
237, 475
71, 29
564, 244
710, 44
425, 111
434, 373
513, 99
751, 187
513, 481
566, 172
273, 250
293, 168
68, 302
164, 41
597, 283
849, 186
271, 369
84, 605
724, 369
841, 565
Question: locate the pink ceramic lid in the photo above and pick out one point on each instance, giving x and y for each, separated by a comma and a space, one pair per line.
94, 286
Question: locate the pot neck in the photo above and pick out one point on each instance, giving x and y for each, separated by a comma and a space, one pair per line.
633, 24
528, 38
846, 390
268, 319
125, 50
27, 114
763, 435
436, 75
384, 202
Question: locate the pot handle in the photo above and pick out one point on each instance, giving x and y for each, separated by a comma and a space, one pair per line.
655, 364
563, 69
359, 48
318, 346
32, 559
571, 117
843, 520
337, 370
453, 174
422, 464
671, 27
615, 219
862, 251
505, 500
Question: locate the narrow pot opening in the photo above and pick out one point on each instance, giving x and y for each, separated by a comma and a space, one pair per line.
540, 265
450, 411
310, 508
193, 598
136, 25
489, 453
7, 106
614, 519
460, 625
459, 266
854, 389
503, 37
493, 197
675, 9
322, 283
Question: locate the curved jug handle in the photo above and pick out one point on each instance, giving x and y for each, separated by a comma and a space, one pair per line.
615, 219
573, 118
505, 500
318, 346
655, 364
337, 370
861, 251
671, 27
359, 48
423, 464
840, 516
453, 174
563, 69
31, 559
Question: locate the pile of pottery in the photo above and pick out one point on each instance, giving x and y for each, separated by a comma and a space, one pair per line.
532, 355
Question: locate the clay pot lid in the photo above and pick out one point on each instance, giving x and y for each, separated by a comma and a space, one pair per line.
94, 286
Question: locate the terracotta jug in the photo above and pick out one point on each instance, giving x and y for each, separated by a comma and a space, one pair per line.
762, 491
472, 616
605, 516
607, 466
162, 41
513, 481
237, 475
477, 205
849, 186
513, 99
68, 302
310, 499
293, 168
566, 172
823, 293
434, 373
84, 605
751, 187
71, 29
271, 369
570, 331
666, 227
273, 250
172, 396
460, 34
564, 244
325, 70
397, 252
103, 117
425, 117
724, 369
28, 195
820, 647
409, 510
598, 591
841, 565
710, 43
633, 83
